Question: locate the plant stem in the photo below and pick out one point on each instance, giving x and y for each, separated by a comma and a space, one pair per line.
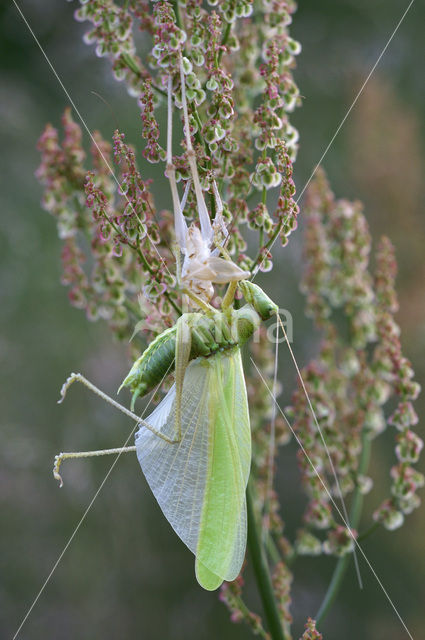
151, 271
246, 612
262, 574
177, 13
368, 531
355, 513
272, 550
266, 246
224, 39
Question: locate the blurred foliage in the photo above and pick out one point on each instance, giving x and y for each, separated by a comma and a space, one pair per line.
124, 575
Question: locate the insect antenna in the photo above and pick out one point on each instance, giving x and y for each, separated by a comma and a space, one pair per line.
106, 103
338, 510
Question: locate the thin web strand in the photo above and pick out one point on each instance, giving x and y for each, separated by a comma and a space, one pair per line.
353, 104
322, 437
375, 575
272, 445
341, 124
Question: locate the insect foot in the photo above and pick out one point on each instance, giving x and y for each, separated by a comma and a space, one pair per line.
74, 377
58, 460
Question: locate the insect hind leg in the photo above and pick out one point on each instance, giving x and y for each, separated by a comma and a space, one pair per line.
78, 377
85, 454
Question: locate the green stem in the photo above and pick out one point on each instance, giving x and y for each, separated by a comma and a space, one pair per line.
177, 13
246, 613
131, 63
262, 574
272, 550
355, 513
267, 246
261, 239
199, 139
368, 531
226, 34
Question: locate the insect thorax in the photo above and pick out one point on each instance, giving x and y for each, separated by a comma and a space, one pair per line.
222, 330
208, 333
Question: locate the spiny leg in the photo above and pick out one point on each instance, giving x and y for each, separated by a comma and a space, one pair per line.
185, 195
180, 225
206, 227
77, 377
217, 271
219, 226
218, 202
85, 454
178, 248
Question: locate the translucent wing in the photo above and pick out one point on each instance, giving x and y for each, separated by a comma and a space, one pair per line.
200, 482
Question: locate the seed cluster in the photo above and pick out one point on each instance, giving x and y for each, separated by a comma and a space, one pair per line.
359, 370
116, 244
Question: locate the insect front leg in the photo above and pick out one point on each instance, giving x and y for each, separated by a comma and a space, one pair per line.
229, 296
78, 377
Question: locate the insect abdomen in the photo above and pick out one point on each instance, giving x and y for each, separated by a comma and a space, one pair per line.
153, 364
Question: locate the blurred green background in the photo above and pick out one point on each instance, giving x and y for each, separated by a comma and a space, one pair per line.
125, 574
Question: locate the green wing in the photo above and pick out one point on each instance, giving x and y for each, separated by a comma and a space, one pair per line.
200, 482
